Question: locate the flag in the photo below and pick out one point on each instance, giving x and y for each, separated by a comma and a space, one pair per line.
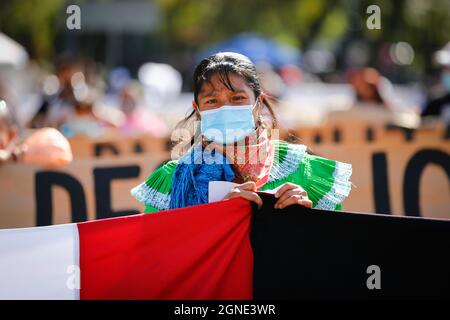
230, 250
302, 253
200, 252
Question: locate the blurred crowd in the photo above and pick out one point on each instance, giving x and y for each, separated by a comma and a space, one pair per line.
81, 97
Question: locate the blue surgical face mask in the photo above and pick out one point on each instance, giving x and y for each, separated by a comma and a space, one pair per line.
227, 124
445, 79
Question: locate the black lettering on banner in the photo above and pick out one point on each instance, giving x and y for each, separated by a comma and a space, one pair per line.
370, 136
43, 183
317, 138
413, 172
138, 148
337, 135
103, 177
408, 132
380, 183
100, 147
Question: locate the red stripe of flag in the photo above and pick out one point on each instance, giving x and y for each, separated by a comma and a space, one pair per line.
200, 252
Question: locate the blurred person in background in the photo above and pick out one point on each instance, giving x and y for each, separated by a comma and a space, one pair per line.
440, 106
90, 117
368, 85
83, 120
8, 134
138, 120
59, 103
6, 95
377, 102
291, 74
271, 81
43, 147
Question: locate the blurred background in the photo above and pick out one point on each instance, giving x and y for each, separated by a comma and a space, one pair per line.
115, 87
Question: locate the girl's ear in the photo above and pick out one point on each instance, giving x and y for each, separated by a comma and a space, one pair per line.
260, 99
196, 109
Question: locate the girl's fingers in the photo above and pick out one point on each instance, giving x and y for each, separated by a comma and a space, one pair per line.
290, 193
249, 195
289, 201
249, 186
295, 199
306, 203
287, 186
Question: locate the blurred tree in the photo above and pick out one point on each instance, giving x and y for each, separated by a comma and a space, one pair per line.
189, 25
303, 23
196, 23
32, 23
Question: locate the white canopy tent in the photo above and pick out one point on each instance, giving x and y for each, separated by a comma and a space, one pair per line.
12, 53
17, 80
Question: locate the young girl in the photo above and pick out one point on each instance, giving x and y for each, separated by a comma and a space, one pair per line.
235, 141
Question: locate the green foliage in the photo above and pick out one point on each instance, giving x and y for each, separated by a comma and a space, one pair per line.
32, 21
193, 24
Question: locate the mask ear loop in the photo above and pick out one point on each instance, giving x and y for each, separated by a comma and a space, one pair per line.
259, 122
195, 106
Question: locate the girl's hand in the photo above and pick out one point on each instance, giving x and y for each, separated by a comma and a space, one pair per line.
247, 191
290, 194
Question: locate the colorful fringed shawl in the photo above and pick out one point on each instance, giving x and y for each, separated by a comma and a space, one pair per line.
250, 160
326, 181
192, 175
253, 158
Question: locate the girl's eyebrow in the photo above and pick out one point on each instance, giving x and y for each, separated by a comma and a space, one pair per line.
239, 91
212, 93
207, 94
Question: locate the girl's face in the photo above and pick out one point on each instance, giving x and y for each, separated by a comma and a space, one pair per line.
214, 94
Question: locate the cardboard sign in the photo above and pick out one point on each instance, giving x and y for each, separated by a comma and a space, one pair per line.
114, 145
359, 133
406, 178
403, 178
86, 189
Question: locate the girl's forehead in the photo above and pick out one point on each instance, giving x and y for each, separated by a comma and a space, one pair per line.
217, 83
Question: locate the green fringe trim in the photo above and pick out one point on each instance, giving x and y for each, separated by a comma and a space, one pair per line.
287, 158
154, 193
326, 181
340, 189
281, 150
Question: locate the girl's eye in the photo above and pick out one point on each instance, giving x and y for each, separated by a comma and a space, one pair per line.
237, 98
210, 101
